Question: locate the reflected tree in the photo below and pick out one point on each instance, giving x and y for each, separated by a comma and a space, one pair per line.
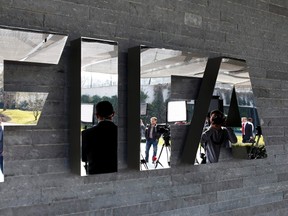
35, 106
143, 96
158, 106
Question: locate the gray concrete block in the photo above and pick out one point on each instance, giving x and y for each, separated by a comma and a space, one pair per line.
228, 205
282, 11
33, 74
266, 198
236, 194
193, 20
49, 137
255, 210
36, 152
195, 210
17, 137
282, 177
52, 122
221, 186
35, 167
259, 180
54, 7
24, 18
105, 15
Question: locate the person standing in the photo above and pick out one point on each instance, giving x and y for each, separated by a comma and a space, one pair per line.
247, 130
250, 121
152, 137
216, 136
99, 143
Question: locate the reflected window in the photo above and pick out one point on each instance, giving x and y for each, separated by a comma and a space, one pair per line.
24, 108
99, 106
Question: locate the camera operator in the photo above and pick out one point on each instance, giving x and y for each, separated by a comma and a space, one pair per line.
216, 136
152, 136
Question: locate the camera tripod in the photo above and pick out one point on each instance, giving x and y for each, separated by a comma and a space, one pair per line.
202, 156
168, 150
257, 152
143, 162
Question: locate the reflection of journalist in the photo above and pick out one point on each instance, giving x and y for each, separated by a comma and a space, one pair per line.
216, 136
152, 137
99, 143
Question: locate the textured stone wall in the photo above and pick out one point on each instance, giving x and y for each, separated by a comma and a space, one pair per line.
38, 179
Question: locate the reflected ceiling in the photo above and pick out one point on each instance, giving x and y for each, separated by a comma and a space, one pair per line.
99, 57
27, 46
156, 63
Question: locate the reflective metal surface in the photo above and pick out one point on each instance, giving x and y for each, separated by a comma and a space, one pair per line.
24, 108
99, 82
163, 72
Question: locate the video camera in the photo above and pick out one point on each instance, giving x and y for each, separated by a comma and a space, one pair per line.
164, 130
258, 130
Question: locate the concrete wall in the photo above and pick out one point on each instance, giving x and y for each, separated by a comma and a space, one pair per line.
38, 179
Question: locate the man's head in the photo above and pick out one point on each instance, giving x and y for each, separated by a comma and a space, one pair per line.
244, 119
104, 110
153, 120
217, 117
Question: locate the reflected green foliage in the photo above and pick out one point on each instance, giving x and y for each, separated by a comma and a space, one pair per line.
158, 107
143, 96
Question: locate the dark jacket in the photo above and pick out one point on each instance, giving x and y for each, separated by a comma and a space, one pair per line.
155, 134
99, 148
212, 140
248, 132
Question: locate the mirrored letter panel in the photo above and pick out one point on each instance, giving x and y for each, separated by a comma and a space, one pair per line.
178, 93
95, 149
232, 126
24, 108
167, 78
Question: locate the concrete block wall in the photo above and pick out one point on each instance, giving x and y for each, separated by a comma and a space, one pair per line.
38, 179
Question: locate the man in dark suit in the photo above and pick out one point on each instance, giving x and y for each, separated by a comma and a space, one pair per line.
99, 143
247, 131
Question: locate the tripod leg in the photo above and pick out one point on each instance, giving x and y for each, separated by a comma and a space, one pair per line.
143, 161
168, 150
157, 161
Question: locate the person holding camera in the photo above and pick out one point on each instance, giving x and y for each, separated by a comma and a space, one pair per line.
216, 136
152, 136
99, 143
